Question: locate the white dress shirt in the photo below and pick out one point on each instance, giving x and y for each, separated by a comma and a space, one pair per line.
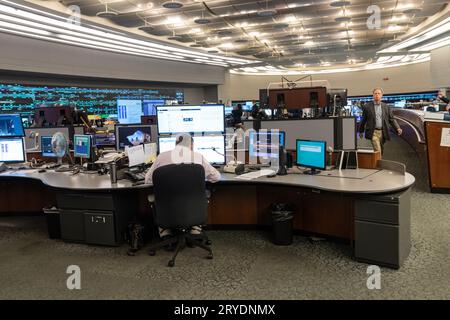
179, 155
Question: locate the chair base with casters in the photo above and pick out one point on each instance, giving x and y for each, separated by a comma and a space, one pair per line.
182, 239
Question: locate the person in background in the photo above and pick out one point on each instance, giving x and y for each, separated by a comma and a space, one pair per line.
375, 121
183, 153
237, 116
444, 99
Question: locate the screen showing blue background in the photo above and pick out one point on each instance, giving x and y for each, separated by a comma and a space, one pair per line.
46, 146
82, 146
311, 154
11, 125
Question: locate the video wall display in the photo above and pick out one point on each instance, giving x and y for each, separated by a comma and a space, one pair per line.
397, 100
18, 98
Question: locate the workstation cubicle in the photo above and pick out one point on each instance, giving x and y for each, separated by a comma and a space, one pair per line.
94, 209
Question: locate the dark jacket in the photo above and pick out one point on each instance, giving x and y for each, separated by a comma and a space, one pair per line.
368, 121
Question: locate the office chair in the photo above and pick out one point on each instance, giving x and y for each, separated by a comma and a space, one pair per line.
180, 203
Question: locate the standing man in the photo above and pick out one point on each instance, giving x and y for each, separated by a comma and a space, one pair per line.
375, 121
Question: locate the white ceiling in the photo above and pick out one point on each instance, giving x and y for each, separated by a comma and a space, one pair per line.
299, 35
301, 32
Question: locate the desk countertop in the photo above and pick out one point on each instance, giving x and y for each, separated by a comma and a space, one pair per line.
347, 181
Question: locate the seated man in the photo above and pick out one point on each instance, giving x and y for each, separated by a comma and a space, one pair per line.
183, 153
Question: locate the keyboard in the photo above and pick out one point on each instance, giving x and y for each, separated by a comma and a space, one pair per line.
135, 176
256, 174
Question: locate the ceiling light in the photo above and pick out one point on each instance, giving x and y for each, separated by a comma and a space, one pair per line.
412, 11
267, 13
202, 21
172, 5
309, 43
106, 13
343, 19
340, 3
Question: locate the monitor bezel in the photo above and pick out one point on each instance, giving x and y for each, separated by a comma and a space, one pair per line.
190, 105
23, 149
118, 125
308, 166
21, 125
42, 152
90, 145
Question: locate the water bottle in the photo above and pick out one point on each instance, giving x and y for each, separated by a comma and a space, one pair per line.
113, 172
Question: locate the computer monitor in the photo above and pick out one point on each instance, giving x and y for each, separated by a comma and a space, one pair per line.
11, 125
149, 106
12, 150
82, 146
311, 154
265, 143
129, 111
212, 147
132, 135
46, 147
104, 139
228, 110
191, 119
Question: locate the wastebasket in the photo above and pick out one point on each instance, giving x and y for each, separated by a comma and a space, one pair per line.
53, 225
282, 223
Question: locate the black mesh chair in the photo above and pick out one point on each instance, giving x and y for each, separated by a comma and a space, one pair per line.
180, 203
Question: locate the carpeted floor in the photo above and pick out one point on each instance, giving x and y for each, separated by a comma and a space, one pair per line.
246, 264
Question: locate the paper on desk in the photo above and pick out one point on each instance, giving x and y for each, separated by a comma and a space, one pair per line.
445, 137
255, 174
109, 157
135, 155
150, 152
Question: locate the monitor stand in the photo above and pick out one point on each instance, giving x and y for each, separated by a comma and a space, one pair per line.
311, 172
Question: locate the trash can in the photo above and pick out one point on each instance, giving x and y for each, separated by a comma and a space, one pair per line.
282, 223
53, 225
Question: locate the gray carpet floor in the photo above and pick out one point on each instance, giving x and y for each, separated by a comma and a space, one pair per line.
246, 264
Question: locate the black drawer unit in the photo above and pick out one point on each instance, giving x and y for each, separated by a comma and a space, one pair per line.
94, 217
383, 229
99, 228
72, 225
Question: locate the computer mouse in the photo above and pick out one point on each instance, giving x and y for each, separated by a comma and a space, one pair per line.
272, 175
42, 170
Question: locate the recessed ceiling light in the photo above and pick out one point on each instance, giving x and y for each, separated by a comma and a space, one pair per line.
280, 25
202, 21
340, 3
267, 13
172, 5
412, 11
343, 19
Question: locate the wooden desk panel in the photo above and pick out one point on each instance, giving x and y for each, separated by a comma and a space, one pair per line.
438, 157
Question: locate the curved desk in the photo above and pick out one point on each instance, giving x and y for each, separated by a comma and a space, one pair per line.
359, 206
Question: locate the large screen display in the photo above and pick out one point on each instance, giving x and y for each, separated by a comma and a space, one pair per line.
202, 118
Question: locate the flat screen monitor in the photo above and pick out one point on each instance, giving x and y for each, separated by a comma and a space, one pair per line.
149, 106
311, 154
132, 135
46, 147
106, 139
228, 110
11, 125
212, 147
12, 150
265, 143
129, 111
82, 146
191, 119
